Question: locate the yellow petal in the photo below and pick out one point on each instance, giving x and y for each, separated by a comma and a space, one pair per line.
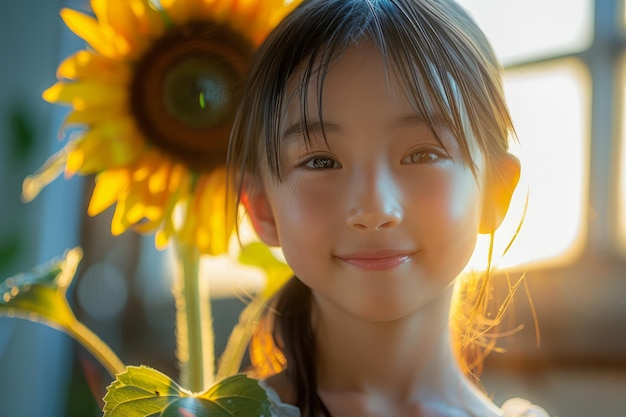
149, 20
164, 234
75, 161
141, 204
119, 224
179, 11
109, 145
110, 185
91, 117
149, 161
128, 19
215, 223
86, 65
144, 202
116, 14
86, 95
134, 203
218, 11
159, 179
102, 38
178, 189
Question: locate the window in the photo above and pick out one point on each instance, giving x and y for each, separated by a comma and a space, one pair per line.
549, 94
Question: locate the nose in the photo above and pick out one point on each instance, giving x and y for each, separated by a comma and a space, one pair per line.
375, 202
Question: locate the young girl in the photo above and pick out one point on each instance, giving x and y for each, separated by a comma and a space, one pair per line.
371, 146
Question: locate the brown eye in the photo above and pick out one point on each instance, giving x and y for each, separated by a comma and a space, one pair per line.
321, 163
425, 156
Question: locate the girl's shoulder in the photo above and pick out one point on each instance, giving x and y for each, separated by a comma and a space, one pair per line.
518, 407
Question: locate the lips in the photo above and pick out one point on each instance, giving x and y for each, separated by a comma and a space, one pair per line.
376, 259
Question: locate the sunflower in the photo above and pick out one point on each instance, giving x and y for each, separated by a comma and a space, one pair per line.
155, 92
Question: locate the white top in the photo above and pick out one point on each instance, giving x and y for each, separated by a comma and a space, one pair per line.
515, 407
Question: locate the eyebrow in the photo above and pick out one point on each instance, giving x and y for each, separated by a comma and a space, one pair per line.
298, 129
434, 121
313, 128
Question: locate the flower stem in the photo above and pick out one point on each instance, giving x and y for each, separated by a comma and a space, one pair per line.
194, 326
100, 350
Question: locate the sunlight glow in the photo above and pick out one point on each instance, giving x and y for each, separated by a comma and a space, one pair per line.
550, 108
531, 29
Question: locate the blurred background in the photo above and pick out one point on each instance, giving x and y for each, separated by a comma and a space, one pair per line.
565, 66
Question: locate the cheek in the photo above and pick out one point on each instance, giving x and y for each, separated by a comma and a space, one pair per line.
310, 204
453, 199
450, 220
306, 215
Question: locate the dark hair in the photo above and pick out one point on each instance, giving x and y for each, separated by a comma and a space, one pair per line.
441, 58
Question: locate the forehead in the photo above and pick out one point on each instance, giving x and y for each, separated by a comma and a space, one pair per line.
316, 93
312, 89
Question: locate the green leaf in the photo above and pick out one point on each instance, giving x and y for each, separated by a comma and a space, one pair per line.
140, 391
259, 255
145, 392
240, 396
40, 295
195, 407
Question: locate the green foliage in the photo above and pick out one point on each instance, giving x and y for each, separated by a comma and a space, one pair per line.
40, 295
22, 134
10, 247
143, 392
259, 255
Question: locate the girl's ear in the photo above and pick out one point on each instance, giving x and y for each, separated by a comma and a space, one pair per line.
261, 215
500, 184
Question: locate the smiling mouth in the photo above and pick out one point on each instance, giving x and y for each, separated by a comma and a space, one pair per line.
376, 260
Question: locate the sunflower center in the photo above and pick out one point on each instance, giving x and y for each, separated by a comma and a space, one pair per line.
185, 91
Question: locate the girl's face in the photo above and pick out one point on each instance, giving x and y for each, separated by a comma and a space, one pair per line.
381, 217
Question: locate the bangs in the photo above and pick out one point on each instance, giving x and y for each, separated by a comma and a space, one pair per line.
443, 63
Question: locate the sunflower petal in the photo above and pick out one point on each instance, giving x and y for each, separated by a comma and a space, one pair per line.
180, 186
88, 65
134, 204
90, 117
158, 180
75, 160
102, 38
117, 15
141, 204
86, 95
119, 224
105, 146
149, 161
150, 191
179, 11
218, 11
110, 185
131, 20
215, 223
150, 21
